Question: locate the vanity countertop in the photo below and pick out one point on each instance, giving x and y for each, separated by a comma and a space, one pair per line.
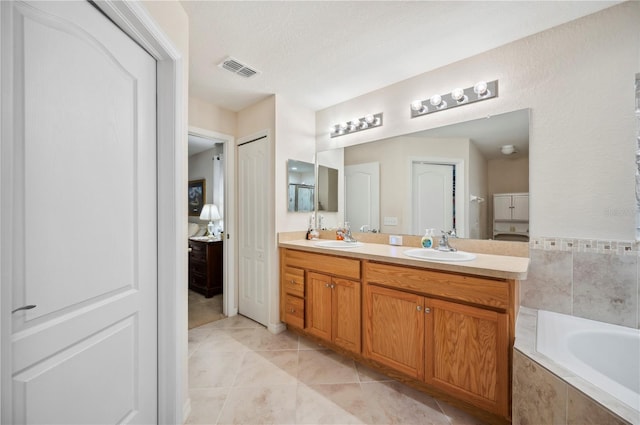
488, 265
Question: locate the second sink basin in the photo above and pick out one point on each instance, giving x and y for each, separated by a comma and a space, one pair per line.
435, 255
338, 244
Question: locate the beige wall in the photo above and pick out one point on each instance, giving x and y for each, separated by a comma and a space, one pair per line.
394, 156
211, 117
578, 81
295, 126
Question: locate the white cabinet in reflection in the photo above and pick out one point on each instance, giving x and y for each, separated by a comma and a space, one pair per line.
511, 216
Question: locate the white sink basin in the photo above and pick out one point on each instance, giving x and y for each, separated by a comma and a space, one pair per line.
338, 244
435, 255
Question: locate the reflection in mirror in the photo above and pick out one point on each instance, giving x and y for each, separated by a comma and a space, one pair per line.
443, 178
327, 189
301, 180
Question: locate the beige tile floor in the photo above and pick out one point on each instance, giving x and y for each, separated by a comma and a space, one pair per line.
240, 373
204, 310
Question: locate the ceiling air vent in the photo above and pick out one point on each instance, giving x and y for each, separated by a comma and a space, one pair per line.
237, 67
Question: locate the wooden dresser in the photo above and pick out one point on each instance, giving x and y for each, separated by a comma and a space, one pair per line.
205, 266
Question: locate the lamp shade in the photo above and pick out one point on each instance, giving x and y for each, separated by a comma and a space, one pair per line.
210, 212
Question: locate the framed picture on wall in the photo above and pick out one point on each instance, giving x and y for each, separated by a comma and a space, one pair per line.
197, 191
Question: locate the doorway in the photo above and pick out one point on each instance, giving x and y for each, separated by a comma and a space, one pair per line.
211, 158
437, 195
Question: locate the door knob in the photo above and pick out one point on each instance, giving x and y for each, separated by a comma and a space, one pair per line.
24, 307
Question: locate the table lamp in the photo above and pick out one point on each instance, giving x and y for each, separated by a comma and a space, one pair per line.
210, 212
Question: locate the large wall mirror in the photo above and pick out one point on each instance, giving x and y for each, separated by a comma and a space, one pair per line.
444, 178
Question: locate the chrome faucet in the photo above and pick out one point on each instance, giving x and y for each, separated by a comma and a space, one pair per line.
365, 228
443, 245
346, 233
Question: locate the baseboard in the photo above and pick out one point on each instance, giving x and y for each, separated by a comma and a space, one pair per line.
186, 410
276, 328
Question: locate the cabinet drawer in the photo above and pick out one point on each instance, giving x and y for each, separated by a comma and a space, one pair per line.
294, 311
470, 289
293, 281
198, 267
327, 264
198, 248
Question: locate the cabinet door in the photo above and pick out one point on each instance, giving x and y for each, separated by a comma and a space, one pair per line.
394, 329
318, 309
520, 207
346, 314
467, 354
502, 207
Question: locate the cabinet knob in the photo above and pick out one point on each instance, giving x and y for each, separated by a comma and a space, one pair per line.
419, 307
293, 282
292, 310
332, 286
326, 285
190, 249
427, 310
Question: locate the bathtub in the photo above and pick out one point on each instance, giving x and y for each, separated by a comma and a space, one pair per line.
607, 356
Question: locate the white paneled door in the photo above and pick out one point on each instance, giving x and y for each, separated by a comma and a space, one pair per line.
79, 232
253, 228
432, 197
362, 195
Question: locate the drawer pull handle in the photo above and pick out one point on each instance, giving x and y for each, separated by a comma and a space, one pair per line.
24, 307
190, 249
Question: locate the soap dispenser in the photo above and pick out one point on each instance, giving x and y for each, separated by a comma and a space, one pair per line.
427, 239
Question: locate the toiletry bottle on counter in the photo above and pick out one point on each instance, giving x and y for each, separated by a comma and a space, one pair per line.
427, 239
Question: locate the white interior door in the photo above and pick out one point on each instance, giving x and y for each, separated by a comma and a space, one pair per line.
362, 195
79, 228
253, 228
432, 196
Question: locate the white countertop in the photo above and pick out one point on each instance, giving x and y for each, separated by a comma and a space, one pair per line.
497, 266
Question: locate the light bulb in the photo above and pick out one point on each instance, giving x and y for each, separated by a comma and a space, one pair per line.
369, 119
417, 106
436, 100
458, 95
343, 126
481, 89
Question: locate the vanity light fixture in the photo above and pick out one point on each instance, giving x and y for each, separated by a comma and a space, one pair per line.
356, 124
458, 96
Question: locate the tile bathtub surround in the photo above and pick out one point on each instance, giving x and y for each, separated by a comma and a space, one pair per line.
537, 380
597, 280
240, 373
540, 397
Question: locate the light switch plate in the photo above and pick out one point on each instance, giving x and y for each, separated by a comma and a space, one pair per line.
395, 240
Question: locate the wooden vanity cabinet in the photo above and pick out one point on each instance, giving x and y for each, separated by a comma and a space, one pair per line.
333, 310
330, 297
460, 349
467, 353
448, 333
292, 290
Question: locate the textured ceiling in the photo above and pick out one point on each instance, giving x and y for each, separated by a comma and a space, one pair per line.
319, 53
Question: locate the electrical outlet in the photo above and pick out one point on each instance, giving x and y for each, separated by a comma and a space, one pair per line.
395, 240
390, 221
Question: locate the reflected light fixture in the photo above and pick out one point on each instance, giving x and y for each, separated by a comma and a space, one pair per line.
508, 149
458, 96
356, 124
